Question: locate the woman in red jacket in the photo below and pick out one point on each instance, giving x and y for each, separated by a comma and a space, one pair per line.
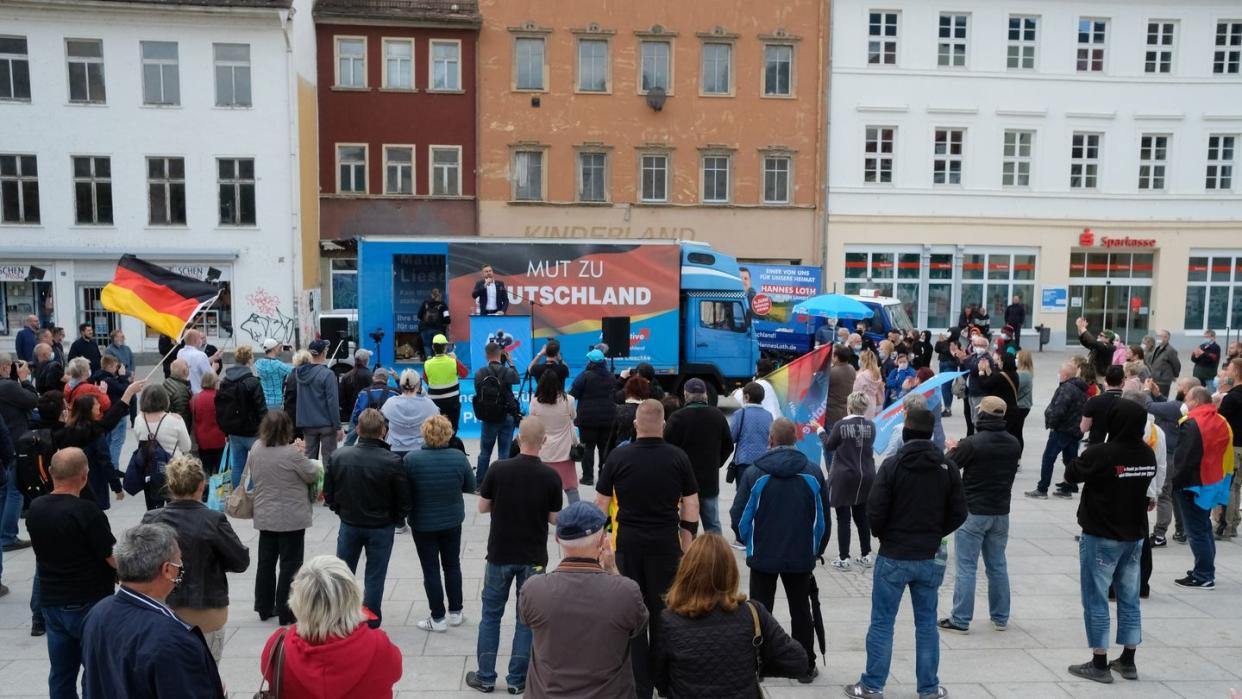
207, 433
331, 653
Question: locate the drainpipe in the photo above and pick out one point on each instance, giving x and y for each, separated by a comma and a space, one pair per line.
291, 102
827, 105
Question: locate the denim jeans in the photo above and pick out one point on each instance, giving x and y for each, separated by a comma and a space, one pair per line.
946, 391
116, 440
239, 451
436, 550
10, 506
64, 648
1198, 523
350, 542
1063, 443
709, 513
987, 534
495, 434
496, 582
1102, 562
889, 583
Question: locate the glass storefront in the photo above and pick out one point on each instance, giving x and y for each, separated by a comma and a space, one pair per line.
19, 299
1111, 290
1214, 290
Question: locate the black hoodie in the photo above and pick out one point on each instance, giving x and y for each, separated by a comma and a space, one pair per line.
1115, 475
916, 501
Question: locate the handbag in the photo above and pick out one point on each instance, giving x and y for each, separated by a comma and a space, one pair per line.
577, 452
241, 503
959, 388
731, 469
275, 670
757, 642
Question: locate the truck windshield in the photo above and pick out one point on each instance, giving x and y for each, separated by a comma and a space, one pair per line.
897, 314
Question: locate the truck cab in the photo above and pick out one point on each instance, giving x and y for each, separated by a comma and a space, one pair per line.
718, 340
889, 314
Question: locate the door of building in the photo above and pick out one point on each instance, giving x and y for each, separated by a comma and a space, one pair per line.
91, 310
1111, 291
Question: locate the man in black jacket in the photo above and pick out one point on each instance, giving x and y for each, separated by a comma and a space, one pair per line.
702, 432
1062, 419
989, 462
366, 486
355, 381
1206, 357
48, 372
916, 502
489, 294
17, 395
497, 430
1100, 347
1113, 516
1015, 315
1231, 410
778, 496
85, 346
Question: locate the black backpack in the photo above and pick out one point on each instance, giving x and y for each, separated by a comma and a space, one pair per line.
34, 457
491, 398
234, 413
385, 394
146, 469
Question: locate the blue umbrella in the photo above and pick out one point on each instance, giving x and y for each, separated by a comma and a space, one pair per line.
833, 306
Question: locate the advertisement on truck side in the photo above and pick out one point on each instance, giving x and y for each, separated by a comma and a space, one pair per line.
772, 291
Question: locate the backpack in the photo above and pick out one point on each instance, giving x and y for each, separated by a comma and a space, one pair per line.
491, 398
234, 412
385, 394
34, 457
145, 472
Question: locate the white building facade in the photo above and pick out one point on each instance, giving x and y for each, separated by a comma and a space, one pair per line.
162, 129
1081, 155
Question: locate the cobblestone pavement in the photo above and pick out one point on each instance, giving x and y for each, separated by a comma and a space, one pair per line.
1192, 640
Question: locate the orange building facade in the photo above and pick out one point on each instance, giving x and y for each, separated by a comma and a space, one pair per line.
700, 120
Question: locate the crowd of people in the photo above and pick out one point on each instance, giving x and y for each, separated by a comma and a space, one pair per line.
646, 596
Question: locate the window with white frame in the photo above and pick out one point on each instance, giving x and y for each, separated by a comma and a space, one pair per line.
528, 175
1220, 160
161, 83
593, 65
717, 68
166, 191
14, 68
92, 190
1092, 38
445, 65
446, 171
1016, 158
19, 188
351, 62
992, 279
344, 273
1085, 160
654, 176
947, 161
776, 185
1214, 290
1153, 159
716, 178
399, 64
778, 70
1227, 53
232, 64
398, 169
656, 65
879, 145
951, 45
236, 182
86, 71
528, 63
351, 168
1023, 42
882, 38
892, 273
1161, 42
592, 176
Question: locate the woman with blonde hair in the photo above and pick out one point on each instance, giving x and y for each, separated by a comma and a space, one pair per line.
869, 382
209, 550
330, 651
406, 414
439, 476
1026, 387
706, 645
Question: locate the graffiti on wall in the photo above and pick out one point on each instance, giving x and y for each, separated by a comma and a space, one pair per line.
267, 320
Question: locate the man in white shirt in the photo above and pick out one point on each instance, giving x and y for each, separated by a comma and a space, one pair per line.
195, 358
489, 294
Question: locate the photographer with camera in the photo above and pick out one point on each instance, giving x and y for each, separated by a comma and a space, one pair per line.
495, 406
552, 361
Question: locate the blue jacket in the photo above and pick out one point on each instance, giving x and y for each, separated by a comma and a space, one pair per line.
749, 428
272, 373
438, 478
133, 647
25, 344
780, 512
892, 385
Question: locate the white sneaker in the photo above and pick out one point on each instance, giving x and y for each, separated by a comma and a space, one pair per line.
455, 619
865, 561
402, 530
840, 563
430, 624
738, 545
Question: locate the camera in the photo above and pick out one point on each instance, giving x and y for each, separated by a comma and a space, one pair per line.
377, 335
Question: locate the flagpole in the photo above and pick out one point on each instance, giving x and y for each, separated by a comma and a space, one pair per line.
201, 307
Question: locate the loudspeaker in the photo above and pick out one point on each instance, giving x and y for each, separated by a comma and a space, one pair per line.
617, 336
336, 331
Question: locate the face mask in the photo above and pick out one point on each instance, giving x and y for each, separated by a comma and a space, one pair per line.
1185, 410
857, 348
1159, 341
981, 350
1005, 336
902, 366
883, 356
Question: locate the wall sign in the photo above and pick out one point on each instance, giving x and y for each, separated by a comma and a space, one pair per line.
1087, 239
1054, 299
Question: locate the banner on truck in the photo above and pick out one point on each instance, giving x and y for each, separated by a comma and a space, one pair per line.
772, 291
567, 289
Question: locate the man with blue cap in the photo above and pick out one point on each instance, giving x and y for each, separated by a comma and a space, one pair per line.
582, 615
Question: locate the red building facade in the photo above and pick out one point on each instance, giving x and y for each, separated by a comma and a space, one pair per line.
397, 105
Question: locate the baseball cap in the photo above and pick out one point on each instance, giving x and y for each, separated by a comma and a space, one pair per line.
317, 347
695, 387
439, 340
269, 344
992, 406
579, 520
595, 356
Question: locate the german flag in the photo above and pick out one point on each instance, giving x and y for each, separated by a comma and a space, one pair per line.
162, 299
